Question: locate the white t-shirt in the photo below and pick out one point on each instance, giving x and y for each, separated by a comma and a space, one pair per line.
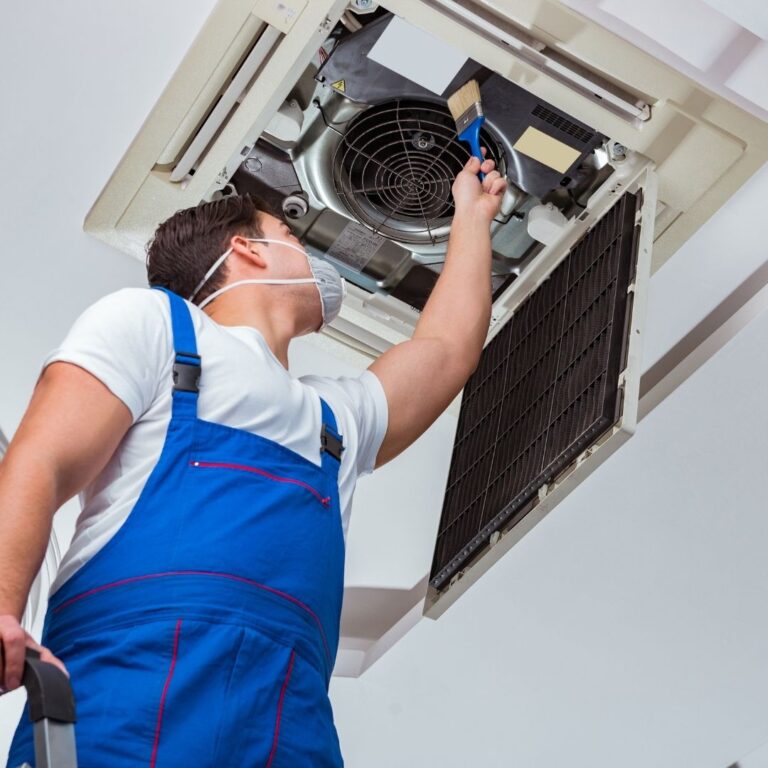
125, 340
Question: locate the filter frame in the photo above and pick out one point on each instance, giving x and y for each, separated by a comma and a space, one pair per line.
607, 435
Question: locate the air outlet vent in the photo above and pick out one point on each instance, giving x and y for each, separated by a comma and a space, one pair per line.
563, 124
545, 390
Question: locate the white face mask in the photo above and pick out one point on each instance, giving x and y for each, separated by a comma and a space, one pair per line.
330, 284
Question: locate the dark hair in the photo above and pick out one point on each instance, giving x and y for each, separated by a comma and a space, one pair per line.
185, 246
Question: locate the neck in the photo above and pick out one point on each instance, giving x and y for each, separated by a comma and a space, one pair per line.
256, 307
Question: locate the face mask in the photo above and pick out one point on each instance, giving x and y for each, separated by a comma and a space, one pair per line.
330, 284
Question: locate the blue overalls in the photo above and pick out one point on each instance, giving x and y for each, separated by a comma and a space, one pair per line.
205, 631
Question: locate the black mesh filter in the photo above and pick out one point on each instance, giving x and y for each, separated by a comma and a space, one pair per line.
545, 389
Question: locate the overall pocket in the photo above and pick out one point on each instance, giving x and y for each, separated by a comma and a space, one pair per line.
253, 729
203, 465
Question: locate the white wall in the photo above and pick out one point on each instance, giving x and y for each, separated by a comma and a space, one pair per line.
627, 629
78, 80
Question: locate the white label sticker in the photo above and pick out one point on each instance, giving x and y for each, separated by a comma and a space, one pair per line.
355, 246
413, 53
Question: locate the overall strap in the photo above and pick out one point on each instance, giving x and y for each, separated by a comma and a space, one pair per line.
186, 365
331, 442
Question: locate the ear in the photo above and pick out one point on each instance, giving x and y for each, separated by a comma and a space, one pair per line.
250, 252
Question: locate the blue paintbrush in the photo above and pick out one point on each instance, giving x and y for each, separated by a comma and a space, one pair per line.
467, 110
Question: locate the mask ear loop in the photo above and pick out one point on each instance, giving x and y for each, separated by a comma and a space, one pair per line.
265, 281
207, 275
220, 260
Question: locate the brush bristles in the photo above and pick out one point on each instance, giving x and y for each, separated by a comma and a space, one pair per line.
465, 99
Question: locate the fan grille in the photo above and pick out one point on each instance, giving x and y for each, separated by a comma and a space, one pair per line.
395, 166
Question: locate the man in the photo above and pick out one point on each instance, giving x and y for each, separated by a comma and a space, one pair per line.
197, 609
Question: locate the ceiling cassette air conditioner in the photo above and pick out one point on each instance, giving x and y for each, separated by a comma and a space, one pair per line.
613, 160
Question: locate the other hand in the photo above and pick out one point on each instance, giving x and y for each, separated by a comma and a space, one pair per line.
15, 641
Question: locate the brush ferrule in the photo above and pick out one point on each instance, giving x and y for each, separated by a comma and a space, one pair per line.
469, 116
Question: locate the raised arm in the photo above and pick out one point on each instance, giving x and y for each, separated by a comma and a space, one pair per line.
422, 376
71, 429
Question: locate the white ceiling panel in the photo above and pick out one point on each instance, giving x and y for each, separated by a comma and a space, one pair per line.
697, 37
693, 31
751, 78
750, 14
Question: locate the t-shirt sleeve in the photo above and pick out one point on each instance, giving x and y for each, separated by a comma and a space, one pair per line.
361, 401
123, 340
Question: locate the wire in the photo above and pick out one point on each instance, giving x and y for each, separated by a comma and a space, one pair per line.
328, 124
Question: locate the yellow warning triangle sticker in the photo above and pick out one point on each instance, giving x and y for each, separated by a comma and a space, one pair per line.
339, 85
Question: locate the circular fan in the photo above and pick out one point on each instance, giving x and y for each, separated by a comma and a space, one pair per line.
395, 165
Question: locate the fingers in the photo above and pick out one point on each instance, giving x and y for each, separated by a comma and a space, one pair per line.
13, 639
47, 656
474, 166
494, 183
498, 186
490, 177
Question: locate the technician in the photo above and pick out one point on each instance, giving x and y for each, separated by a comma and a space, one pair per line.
197, 609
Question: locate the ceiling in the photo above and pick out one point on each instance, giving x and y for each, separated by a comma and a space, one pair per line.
722, 45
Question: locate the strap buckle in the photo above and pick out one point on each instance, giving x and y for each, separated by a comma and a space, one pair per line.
331, 442
186, 376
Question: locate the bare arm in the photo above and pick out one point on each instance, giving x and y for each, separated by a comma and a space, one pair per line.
71, 429
422, 376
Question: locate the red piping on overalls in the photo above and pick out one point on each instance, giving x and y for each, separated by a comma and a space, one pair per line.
230, 576
167, 685
280, 710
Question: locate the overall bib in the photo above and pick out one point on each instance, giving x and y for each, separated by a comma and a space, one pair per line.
205, 631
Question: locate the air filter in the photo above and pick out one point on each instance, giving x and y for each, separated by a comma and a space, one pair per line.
547, 387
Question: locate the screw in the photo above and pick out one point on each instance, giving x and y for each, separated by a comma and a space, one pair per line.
618, 151
363, 4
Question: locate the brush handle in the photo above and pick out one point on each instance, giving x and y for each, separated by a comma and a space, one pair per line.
471, 134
